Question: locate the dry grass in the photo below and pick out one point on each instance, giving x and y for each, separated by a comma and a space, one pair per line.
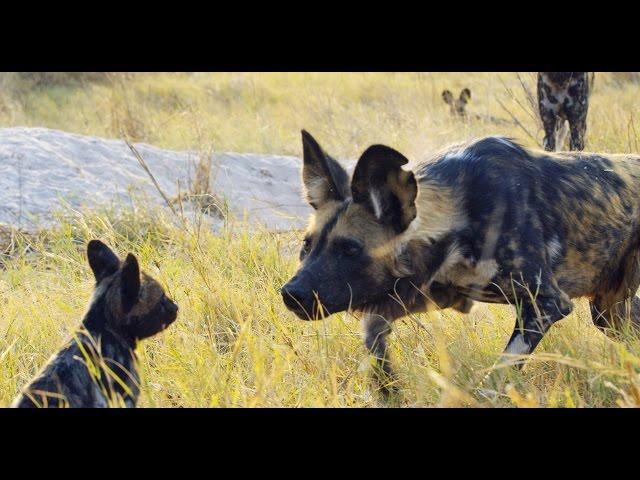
235, 344
264, 113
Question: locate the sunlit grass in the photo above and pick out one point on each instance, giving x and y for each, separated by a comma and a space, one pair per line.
235, 344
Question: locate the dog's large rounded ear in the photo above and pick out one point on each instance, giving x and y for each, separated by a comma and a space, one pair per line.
447, 96
130, 282
323, 178
465, 95
384, 188
102, 260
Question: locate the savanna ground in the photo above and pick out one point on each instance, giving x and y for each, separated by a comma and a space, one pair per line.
235, 344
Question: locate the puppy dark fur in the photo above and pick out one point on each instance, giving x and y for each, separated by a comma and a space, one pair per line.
97, 367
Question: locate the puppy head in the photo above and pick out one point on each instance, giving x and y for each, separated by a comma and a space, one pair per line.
136, 304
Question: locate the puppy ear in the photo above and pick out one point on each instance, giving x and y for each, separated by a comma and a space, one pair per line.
384, 188
102, 260
447, 96
130, 286
323, 178
465, 95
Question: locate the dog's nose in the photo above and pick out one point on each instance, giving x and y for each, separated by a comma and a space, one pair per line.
293, 295
170, 305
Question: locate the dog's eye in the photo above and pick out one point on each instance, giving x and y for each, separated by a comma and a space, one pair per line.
351, 249
166, 302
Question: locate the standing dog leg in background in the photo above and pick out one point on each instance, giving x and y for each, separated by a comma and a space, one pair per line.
577, 127
564, 97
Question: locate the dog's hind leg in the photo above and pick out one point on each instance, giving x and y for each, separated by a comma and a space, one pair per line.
549, 121
617, 309
616, 318
578, 128
548, 109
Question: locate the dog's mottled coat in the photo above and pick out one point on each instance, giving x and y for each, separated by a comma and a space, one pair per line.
484, 221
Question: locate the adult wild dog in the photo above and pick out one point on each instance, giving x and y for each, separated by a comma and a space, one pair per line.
97, 368
486, 220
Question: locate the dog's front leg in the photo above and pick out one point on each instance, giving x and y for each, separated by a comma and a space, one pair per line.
376, 329
530, 328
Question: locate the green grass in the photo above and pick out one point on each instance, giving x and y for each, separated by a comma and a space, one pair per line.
235, 344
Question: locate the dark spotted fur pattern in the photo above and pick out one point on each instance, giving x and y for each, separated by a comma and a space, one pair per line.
484, 221
97, 367
563, 97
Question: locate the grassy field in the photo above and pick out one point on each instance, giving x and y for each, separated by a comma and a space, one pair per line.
235, 344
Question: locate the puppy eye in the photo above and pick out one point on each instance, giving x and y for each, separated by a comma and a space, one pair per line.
306, 245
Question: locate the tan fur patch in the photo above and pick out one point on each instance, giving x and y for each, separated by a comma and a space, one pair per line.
316, 188
463, 274
438, 213
401, 186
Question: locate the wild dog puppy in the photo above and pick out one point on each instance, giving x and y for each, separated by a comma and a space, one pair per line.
484, 221
458, 107
97, 368
563, 97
